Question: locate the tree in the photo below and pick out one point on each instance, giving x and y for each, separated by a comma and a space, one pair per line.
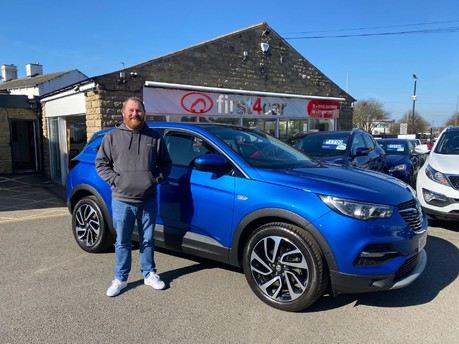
367, 113
420, 124
453, 120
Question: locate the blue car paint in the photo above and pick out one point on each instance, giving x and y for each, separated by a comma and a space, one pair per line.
398, 157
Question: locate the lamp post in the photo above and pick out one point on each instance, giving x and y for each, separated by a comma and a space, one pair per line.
414, 105
455, 118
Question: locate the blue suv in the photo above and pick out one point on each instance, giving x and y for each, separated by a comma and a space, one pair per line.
294, 225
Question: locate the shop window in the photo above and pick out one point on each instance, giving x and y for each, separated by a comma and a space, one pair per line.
77, 134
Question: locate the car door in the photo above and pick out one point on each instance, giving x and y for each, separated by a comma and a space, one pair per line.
358, 144
195, 207
376, 155
414, 158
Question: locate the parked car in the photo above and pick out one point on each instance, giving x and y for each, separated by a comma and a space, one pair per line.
415, 142
402, 160
355, 148
438, 180
294, 225
423, 148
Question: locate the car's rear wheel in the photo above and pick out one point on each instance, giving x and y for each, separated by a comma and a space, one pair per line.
89, 227
284, 266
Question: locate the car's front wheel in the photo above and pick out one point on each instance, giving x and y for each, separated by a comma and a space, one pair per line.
89, 227
284, 266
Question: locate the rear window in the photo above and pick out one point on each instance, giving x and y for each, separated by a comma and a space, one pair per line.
324, 145
394, 148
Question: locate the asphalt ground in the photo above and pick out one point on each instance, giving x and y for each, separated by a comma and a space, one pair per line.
53, 292
30, 196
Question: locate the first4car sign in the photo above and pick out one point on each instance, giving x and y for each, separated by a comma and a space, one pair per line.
189, 102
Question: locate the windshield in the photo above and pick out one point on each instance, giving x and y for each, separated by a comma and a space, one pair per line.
449, 143
323, 145
394, 147
258, 149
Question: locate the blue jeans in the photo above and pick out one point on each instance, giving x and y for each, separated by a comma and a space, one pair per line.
125, 215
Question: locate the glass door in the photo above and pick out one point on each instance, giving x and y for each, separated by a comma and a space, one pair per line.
54, 151
58, 151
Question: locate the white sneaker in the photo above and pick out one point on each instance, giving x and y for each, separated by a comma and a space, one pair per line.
116, 287
154, 281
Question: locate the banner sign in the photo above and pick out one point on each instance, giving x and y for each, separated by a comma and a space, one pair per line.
323, 109
183, 102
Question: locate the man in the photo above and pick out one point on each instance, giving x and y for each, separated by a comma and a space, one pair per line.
133, 159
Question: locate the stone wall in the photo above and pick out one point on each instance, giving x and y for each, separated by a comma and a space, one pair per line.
45, 145
221, 63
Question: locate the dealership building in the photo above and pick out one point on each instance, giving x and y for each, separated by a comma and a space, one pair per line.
250, 77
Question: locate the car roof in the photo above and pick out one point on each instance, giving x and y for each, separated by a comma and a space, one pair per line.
179, 125
452, 128
321, 133
203, 127
394, 140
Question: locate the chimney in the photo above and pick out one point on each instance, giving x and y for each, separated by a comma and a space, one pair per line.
34, 69
9, 72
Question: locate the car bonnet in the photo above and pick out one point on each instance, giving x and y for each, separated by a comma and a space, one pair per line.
350, 183
445, 163
394, 160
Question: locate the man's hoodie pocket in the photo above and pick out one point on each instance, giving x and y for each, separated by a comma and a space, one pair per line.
134, 184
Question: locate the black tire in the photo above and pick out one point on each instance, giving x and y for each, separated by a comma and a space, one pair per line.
284, 266
89, 226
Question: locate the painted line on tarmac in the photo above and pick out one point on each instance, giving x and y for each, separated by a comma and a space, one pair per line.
33, 217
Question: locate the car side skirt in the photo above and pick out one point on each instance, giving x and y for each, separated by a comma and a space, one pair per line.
189, 243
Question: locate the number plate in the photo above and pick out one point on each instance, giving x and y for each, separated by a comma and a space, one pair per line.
422, 242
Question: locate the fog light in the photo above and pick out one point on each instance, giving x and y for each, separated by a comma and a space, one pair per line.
434, 198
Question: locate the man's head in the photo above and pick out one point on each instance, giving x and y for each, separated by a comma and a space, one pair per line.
133, 112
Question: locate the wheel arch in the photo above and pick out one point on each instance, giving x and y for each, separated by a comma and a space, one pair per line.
260, 217
85, 190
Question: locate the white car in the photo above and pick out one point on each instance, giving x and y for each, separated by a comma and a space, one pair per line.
437, 184
423, 148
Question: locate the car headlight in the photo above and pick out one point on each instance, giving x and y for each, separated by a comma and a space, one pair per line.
358, 210
398, 168
436, 176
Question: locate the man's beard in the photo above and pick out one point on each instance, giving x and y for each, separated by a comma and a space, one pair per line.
134, 124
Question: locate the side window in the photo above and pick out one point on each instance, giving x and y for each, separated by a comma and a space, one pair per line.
410, 147
183, 148
357, 143
369, 142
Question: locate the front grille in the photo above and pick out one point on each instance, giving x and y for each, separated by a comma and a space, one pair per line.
411, 212
454, 181
406, 268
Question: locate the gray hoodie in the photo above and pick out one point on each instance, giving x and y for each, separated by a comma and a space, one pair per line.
133, 162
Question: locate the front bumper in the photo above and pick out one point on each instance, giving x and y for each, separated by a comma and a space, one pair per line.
408, 272
433, 213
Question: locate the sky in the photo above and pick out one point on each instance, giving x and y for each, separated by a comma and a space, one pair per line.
369, 48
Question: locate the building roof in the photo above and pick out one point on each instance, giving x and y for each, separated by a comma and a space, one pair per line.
30, 81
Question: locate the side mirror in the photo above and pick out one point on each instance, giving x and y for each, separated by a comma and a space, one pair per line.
362, 151
214, 163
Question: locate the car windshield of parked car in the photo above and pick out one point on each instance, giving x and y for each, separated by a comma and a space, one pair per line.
448, 144
261, 150
323, 145
394, 148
